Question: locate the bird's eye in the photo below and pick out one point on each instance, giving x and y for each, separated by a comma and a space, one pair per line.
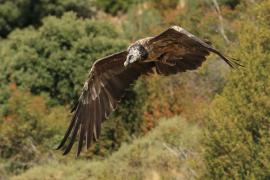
130, 57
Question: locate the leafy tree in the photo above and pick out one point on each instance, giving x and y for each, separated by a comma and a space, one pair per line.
116, 6
141, 23
18, 14
165, 4
28, 129
238, 137
55, 59
171, 151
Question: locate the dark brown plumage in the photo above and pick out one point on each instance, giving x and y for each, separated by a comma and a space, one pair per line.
175, 50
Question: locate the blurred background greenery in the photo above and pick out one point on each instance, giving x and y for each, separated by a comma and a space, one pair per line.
212, 123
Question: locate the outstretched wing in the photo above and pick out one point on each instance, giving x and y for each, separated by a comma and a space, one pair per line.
102, 91
182, 51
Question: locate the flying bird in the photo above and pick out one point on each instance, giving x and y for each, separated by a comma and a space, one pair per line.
174, 50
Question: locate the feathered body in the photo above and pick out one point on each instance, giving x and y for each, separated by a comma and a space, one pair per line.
174, 50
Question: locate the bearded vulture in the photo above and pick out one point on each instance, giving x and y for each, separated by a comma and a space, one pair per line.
174, 50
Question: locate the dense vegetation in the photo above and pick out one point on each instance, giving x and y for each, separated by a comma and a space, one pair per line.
238, 137
56, 58
166, 152
222, 128
22, 13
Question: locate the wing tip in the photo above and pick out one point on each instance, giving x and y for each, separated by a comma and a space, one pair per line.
59, 146
65, 152
236, 62
232, 62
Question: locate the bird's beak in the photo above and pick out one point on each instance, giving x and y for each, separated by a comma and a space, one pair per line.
130, 59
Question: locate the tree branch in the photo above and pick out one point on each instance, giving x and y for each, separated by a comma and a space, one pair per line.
221, 26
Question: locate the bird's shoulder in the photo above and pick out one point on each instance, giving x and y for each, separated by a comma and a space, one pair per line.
144, 42
177, 28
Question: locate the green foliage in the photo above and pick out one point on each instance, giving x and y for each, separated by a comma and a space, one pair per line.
231, 3
171, 151
28, 127
18, 14
3, 173
164, 4
238, 137
116, 6
141, 23
55, 59
43, 69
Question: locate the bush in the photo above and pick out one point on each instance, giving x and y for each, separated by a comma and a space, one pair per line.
18, 14
238, 137
116, 6
55, 59
29, 130
176, 95
141, 23
171, 151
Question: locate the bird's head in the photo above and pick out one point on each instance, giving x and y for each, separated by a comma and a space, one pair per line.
136, 53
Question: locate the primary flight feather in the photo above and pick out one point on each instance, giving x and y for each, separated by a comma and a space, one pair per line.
174, 50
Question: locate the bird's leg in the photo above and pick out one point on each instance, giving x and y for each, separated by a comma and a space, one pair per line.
170, 63
165, 59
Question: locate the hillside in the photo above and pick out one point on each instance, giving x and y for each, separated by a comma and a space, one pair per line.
208, 123
170, 150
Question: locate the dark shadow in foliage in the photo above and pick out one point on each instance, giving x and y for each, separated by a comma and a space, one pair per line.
56, 58
231, 3
116, 6
19, 14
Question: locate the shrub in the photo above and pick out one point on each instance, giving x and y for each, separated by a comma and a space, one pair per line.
18, 14
116, 6
238, 136
141, 23
176, 95
29, 129
171, 151
55, 59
